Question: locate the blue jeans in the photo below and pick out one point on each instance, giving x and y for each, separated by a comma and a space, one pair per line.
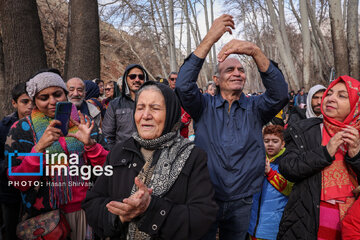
232, 220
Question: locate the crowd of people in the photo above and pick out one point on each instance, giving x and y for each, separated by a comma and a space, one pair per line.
164, 159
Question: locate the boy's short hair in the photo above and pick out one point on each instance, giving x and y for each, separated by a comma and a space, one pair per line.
18, 90
277, 130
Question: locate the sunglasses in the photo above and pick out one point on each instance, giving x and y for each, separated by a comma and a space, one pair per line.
107, 89
172, 79
133, 76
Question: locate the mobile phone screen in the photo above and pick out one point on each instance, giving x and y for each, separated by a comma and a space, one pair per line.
62, 113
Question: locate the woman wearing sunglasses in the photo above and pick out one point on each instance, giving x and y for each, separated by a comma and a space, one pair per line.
111, 92
118, 124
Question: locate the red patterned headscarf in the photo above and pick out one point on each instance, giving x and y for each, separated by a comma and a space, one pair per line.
336, 179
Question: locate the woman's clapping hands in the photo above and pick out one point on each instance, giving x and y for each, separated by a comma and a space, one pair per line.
132, 206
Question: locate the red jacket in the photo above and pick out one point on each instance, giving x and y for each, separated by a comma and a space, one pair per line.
351, 222
185, 119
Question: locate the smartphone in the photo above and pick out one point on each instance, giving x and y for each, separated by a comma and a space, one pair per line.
62, 113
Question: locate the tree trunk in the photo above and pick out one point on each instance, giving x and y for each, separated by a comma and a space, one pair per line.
298, 18
2, 75
179, 57
285, 56
256, 24
187, 16
205, 69
306, 44
163, 27
213, 47
173, 63
23, 45
84, 40
344, 14
188, 28
338, 39
286, 40
207, 30
166, 29
196, 29
319, 36
353, 38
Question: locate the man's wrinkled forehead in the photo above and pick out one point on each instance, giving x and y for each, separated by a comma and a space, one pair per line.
229, 63
75, 82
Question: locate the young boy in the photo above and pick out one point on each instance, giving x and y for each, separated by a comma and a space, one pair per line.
269, 204
9, 196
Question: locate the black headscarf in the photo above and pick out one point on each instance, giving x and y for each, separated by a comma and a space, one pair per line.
92, 90
172, 104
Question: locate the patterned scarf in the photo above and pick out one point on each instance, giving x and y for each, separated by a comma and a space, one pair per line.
336, 178
175, 150
59, 191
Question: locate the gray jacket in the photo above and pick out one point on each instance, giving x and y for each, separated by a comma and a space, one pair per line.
118, 124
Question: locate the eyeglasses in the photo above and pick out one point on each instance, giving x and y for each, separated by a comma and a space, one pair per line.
133, 76
172, 79
107, 89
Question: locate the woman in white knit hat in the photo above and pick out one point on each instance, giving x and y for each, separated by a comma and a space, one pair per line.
37, 133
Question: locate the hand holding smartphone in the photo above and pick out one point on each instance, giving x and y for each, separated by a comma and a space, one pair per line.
62, 113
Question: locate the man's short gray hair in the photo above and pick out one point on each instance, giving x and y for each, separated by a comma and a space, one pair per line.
209, 84
217, 72
175, 73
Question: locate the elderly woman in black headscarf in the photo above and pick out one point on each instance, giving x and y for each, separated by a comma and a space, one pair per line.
160, 185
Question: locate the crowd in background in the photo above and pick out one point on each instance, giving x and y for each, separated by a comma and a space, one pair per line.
186, 162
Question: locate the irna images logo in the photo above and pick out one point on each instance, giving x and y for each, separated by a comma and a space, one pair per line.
60, 164
17, 154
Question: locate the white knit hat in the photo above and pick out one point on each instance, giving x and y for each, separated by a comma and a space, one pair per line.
44, 80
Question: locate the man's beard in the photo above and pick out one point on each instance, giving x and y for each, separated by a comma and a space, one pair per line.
317, 112
76, 103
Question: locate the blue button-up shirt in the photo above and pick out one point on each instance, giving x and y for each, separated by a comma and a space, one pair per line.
232, 139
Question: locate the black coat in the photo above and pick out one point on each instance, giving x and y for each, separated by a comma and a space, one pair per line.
296, 114
303, 161
186, 211
8, 194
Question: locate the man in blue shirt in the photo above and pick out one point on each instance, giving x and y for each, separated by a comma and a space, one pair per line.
228, 126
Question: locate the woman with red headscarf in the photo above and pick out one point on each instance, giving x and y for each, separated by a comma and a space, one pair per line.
322, 158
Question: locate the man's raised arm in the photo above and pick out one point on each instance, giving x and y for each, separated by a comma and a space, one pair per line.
186, 88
